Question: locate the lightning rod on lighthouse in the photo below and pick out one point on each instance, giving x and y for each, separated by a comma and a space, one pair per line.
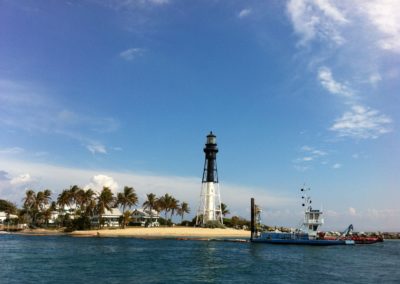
210, 199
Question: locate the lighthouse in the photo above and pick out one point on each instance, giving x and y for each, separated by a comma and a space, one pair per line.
210, 200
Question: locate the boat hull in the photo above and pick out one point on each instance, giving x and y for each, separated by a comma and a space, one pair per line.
304, 242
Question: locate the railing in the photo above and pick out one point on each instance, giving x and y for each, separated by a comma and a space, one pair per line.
313, 221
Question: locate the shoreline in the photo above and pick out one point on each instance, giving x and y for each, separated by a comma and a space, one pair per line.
189, 233
181, 233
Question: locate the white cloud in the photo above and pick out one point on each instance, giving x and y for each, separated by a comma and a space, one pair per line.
306, 148
337, 166
131, 53
316, 19
370, 219
244, 13
314, 152
96, 148
183, 188
352, 211
330, 11
382, 213
156, 2
131, 5
13, 186
11, 151
385, 16
331, 213
311, 155
326, 79
362, 123
99, 181
29, 107
21, 179
374, 78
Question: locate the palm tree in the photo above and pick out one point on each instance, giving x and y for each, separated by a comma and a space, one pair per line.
42, 199
29, 202
164, 203
224, 209
88, 202
126, 217
173, 206
127, 198
183, 208
46, 198
151, 204
48, 212
105, 201
63, 199
74, 194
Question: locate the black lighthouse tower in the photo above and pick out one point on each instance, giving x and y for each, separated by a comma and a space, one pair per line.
210, 173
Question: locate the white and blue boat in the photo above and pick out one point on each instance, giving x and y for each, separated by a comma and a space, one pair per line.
307, 234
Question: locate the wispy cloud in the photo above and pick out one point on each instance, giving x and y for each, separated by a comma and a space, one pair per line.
314, 152
337, 166
30, 108
11, 151
316, 19
362, 123
157, 2
131, 53
319, 23
326, 79
97, 148
374, 78
385, 16
359, 122
244, 13
131, 4
310, 155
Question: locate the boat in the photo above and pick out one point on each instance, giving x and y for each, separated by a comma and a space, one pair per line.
358, 238
307, 234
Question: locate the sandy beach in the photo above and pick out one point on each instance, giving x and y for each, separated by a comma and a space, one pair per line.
165, 232
148, 233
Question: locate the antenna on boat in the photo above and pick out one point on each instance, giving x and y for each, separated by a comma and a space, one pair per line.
305, 197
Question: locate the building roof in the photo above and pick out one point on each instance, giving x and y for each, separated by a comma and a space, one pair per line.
114, 212
140, 212
5, 215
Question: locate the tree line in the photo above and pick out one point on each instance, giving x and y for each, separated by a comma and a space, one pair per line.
77, 206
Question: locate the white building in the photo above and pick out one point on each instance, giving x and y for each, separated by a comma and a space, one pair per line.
144, 217
4, 216
111, 218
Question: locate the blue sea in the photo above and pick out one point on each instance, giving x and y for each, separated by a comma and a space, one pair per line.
63, 259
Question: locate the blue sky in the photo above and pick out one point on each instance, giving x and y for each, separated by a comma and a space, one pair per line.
124, 92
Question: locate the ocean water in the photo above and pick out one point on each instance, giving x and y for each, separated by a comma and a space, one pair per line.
62, 259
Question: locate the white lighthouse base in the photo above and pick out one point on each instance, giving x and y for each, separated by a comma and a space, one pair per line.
210, 204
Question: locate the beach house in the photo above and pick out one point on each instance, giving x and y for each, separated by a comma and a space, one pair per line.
142, 217
5, 216
110, 218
